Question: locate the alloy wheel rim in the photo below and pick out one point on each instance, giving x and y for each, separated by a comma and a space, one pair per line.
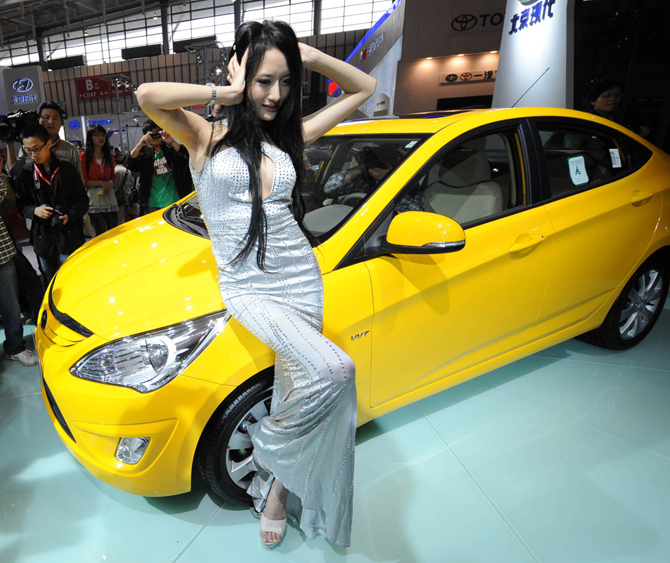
238, 454
641, 304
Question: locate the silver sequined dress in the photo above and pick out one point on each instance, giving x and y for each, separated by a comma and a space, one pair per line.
307, 441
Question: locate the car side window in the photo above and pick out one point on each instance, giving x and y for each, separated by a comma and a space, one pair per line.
580, 158
478, 179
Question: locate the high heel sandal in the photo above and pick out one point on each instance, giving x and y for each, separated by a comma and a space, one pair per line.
275, 526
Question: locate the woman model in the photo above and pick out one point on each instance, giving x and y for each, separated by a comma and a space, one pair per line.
97, 165
245, 170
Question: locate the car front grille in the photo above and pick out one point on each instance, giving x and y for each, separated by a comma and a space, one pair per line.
56, 411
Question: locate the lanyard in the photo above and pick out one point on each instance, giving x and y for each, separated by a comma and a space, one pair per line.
39, 173
54, 148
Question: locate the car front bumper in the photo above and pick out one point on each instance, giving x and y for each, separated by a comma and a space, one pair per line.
92, 417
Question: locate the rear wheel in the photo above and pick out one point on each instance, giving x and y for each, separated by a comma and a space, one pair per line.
635, 311
224, 454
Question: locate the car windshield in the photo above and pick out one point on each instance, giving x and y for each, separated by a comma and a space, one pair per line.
342, 173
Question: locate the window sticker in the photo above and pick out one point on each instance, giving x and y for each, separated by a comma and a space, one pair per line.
616, 158
578, 173
410, 144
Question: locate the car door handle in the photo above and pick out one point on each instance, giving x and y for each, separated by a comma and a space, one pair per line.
640, 198
524, 242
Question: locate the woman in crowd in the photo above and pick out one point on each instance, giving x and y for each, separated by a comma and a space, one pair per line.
247, 172
97, 164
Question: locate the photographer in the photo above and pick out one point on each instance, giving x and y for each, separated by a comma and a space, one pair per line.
163, 166
51, 194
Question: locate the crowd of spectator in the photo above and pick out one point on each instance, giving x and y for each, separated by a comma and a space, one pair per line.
64, 195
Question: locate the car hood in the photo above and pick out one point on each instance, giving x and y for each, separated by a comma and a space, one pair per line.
142, 275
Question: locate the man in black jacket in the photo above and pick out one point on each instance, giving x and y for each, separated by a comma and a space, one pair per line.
52, 195
163, 166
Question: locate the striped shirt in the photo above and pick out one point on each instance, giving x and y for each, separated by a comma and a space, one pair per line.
7, 248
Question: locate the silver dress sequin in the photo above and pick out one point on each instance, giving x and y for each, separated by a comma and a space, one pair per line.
307, 441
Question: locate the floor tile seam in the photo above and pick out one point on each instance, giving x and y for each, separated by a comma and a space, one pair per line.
197, 535
20, 396
482, 491
577, 422
539, 355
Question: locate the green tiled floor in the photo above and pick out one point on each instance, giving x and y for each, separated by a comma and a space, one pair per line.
561, 457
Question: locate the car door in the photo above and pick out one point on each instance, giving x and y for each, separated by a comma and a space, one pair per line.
436, 315
604, 215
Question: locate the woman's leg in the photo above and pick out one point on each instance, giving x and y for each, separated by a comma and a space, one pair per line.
307, 441
275, 509
98, 222
111, 218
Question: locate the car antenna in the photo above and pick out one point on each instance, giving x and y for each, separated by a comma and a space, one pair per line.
533, 84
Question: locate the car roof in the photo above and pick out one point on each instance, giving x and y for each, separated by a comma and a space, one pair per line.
421, 122
433, 121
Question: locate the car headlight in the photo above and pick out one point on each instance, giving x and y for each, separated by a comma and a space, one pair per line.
145, 362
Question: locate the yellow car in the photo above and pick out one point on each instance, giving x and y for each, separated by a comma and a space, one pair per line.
450, 245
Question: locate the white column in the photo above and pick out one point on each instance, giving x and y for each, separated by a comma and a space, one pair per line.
536, 55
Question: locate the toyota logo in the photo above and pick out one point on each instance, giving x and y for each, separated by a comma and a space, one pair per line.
464, 22
23, 85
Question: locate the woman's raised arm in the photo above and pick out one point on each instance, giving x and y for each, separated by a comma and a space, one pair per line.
163, 103
357, 85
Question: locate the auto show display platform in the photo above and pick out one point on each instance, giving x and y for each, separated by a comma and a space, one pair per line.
562, 456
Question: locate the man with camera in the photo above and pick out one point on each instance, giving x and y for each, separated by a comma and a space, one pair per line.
163, 166
51, 193
51, 117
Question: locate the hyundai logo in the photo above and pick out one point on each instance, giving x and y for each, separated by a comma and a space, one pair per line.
75, 125
23, 85
464, 22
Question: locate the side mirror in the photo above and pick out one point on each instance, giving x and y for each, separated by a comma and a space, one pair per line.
420, 232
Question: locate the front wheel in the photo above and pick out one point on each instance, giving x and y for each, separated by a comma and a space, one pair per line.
224, 455
635, 311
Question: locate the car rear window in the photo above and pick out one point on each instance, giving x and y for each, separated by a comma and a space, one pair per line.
580, 157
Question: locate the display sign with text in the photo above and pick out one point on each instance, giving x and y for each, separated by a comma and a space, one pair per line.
468, 76
23, 88
96, 87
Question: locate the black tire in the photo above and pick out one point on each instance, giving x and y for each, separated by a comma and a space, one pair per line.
216, 460
644, 296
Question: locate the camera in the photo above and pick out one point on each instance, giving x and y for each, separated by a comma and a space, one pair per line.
56, 221
13, 123
156, 135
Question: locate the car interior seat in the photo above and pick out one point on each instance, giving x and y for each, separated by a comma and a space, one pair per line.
461, 188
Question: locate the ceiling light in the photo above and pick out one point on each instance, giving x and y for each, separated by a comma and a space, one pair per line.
461, 54
429, 58
24, 47
493, 52
85, 32
155, 16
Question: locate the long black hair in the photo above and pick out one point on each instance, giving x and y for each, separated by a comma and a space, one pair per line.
246, 130
106, 148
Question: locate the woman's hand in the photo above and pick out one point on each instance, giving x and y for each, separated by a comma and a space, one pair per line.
106, 186
234, 94
306, 54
